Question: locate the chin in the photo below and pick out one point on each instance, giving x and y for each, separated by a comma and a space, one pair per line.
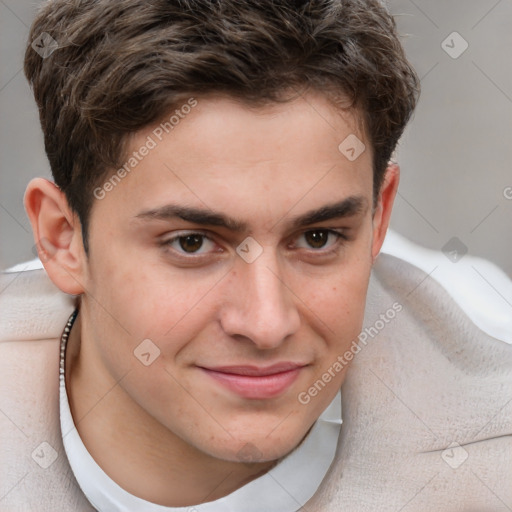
259, 448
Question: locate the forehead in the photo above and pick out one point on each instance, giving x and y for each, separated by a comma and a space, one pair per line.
225, 128
223, 154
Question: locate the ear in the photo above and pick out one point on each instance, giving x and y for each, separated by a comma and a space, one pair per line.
58, 235
384, 207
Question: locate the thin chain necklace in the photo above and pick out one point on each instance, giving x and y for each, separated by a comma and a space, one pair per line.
63, 343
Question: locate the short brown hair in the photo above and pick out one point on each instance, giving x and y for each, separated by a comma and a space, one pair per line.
121, 65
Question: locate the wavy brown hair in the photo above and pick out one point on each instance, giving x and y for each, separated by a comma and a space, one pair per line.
122, 65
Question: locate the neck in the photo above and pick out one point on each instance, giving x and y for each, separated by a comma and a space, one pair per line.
136, 451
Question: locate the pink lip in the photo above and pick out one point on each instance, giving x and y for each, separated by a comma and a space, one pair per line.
256, 383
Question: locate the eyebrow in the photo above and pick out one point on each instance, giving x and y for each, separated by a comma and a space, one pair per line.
348, 207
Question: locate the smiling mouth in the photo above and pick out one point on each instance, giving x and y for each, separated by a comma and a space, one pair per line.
256, 383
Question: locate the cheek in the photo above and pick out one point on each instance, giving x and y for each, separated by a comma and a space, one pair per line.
340, 299
137, 302
345, 310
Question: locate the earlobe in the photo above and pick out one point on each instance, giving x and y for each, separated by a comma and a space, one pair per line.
57, 233
384, 207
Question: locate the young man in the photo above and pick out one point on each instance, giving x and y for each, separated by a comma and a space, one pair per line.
222, 191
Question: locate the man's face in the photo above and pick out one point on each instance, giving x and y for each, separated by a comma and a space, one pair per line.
239, 326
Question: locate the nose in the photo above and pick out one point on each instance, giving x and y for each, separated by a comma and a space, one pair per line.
261, 305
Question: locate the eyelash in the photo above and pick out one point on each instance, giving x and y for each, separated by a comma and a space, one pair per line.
340, 234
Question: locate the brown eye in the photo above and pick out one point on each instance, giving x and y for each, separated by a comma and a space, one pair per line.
317, 239
191, 243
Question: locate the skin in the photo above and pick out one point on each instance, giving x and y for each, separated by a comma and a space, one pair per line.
299, 301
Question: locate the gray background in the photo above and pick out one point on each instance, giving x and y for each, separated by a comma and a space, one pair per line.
455, 156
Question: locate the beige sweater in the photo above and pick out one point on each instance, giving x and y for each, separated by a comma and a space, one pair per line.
427, 404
